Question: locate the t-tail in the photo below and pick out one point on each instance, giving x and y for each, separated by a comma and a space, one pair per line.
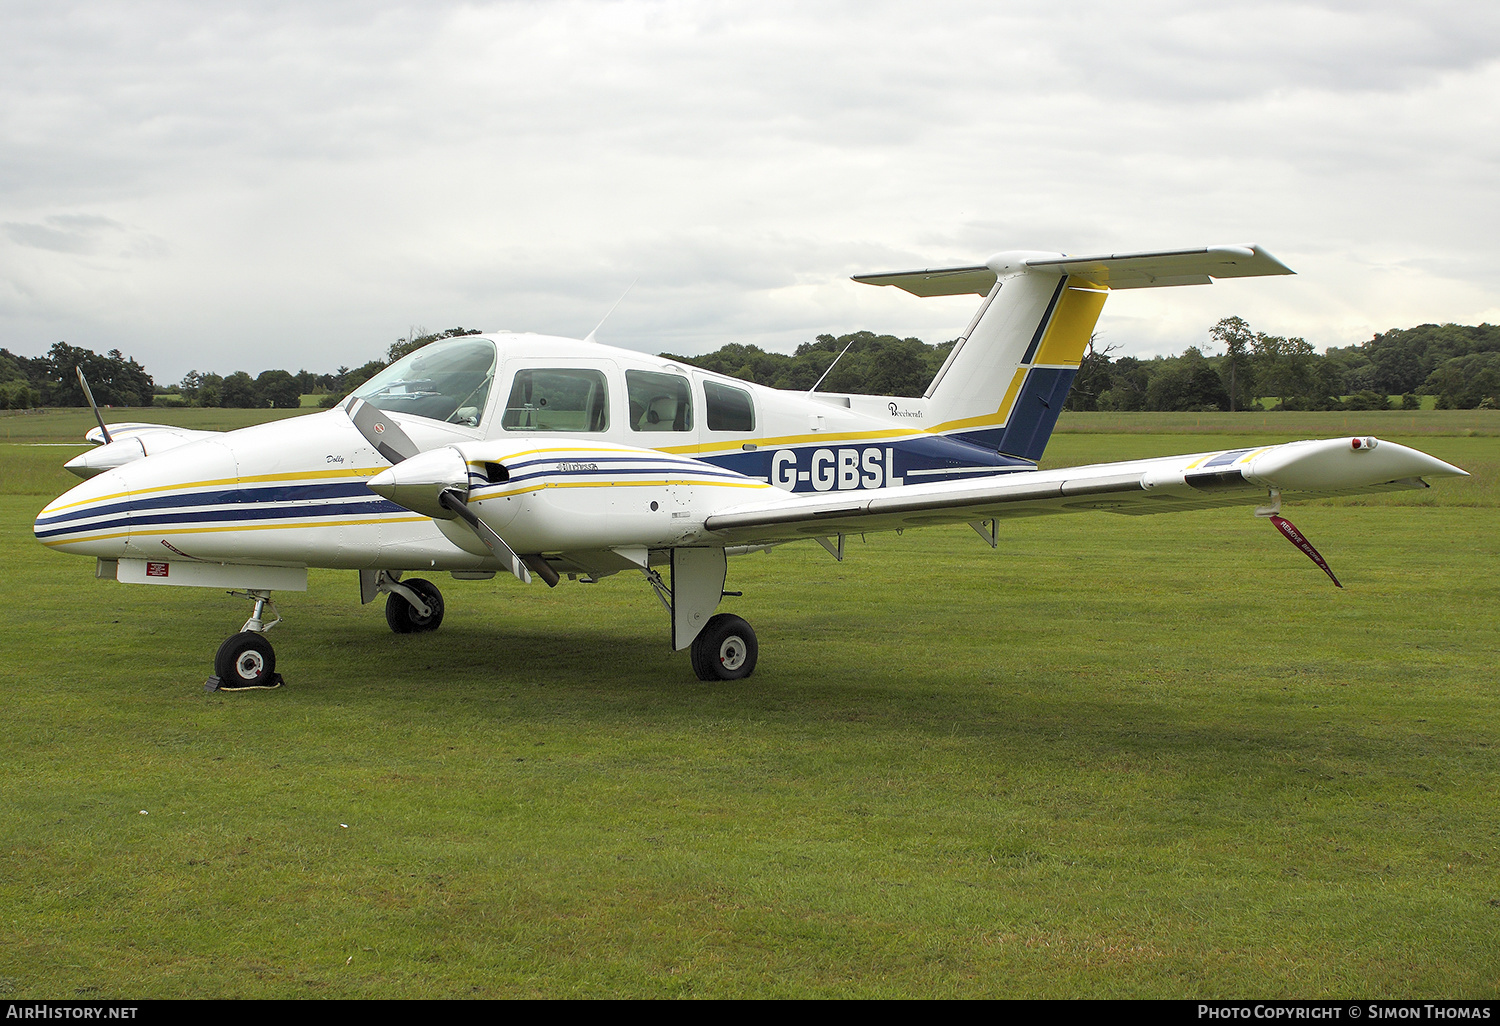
1008, 375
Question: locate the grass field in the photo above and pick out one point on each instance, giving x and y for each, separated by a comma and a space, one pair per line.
1156, 757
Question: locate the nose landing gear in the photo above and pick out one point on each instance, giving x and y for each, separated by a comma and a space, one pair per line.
246, 661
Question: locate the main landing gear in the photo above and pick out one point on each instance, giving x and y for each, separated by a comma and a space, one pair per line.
411, 607
722, 646
246, 661
725, 649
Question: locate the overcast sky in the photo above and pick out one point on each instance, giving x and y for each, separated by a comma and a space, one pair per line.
237, 187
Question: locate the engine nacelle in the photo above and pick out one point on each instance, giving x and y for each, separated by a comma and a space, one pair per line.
550, 494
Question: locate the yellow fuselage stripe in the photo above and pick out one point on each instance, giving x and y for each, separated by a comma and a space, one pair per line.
54, 542
305, 475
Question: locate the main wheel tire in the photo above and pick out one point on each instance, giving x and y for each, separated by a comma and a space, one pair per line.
403, 617
245, 660
726, 649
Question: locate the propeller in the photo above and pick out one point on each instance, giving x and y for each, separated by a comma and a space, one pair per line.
434, 483
381, 431
88, 393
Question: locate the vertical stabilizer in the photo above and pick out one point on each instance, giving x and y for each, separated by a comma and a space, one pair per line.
1008, 376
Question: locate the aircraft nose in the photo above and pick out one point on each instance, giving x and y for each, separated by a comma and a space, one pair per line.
87, 519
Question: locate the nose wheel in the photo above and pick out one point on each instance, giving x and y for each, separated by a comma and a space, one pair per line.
246, 661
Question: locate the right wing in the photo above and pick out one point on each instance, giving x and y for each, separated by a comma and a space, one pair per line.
1299, 470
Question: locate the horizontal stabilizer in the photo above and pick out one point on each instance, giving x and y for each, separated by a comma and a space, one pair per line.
943, 281
1109, 271
1177, 267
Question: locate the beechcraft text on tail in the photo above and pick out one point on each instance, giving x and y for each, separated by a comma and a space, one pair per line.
548, 457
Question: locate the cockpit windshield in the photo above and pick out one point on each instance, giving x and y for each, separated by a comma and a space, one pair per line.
448, 381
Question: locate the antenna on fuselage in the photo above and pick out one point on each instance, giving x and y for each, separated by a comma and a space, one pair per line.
88, 394
836, 359
590, 336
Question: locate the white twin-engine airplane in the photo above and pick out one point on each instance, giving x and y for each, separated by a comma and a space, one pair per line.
542, 457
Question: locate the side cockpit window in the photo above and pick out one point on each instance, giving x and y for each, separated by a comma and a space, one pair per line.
728, 408
565, 399
659, 402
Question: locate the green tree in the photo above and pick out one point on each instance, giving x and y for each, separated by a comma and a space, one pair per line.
278, 389
1465, 382
1236, 337
1129, 378
190, 387
238, 392
17, 394
1190, 386
1367, 399
210, 389
115, 379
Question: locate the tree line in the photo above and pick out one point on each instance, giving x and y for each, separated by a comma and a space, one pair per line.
1459, 364
1237, 368
116, 380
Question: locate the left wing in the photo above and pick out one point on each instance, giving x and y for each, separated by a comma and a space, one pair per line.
1298, 470
127, 443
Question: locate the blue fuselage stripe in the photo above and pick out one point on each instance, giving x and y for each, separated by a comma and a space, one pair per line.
226, 496
222, 514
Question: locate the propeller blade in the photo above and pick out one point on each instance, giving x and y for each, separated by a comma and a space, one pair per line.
542, 569
88, 393
451, 500
381, 431
1297, 538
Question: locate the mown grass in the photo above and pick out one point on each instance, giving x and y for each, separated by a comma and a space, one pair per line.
1155, 756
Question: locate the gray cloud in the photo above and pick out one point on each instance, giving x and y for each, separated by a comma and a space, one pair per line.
309, 179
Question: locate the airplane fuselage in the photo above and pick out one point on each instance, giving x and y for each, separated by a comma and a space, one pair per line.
292, 492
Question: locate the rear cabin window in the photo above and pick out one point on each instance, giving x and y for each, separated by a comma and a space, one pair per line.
728, 408
659, 402
557, 400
